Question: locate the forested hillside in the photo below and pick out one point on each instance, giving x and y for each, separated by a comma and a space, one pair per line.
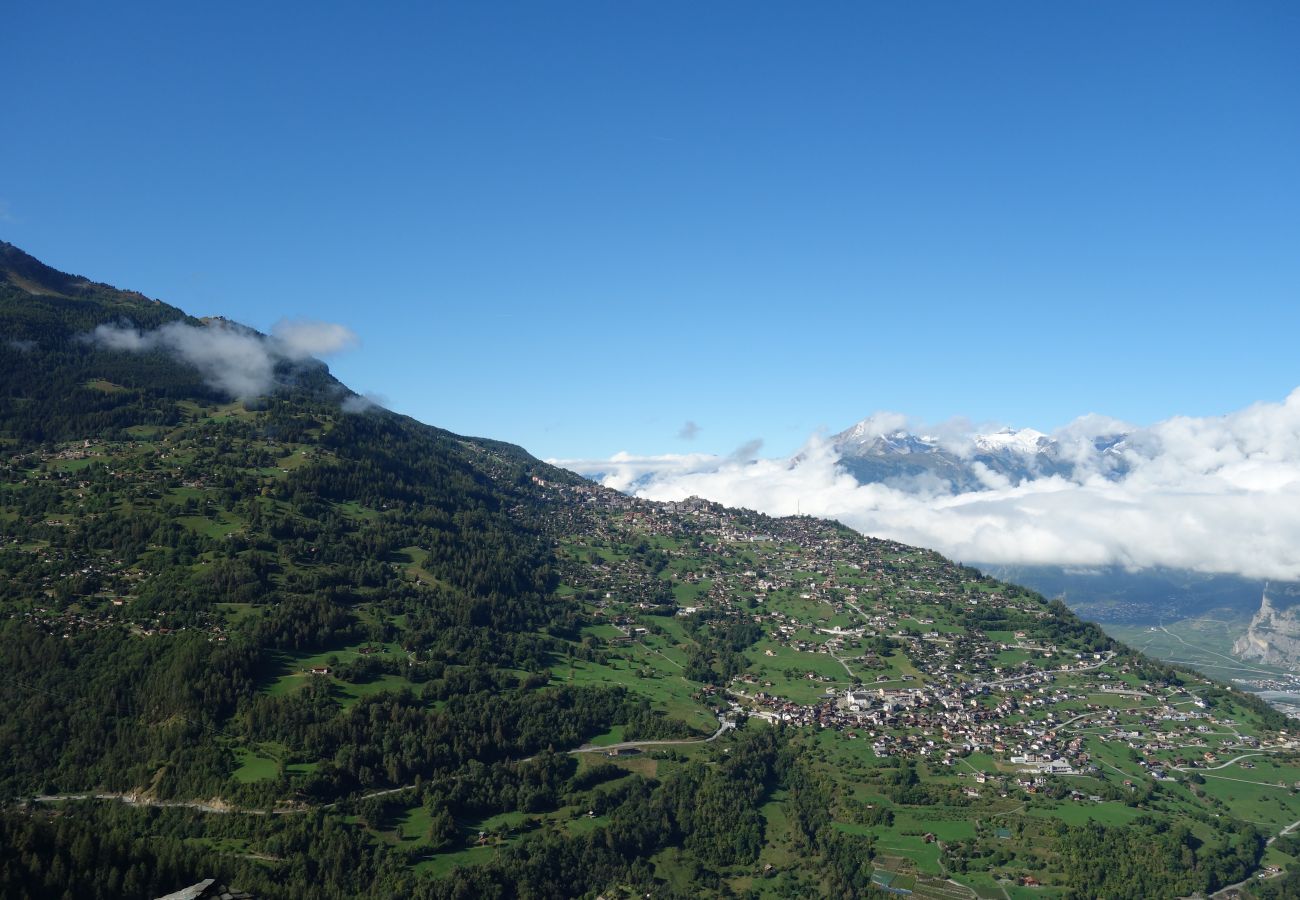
317, 649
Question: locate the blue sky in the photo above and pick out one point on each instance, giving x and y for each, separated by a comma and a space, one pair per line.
579, 226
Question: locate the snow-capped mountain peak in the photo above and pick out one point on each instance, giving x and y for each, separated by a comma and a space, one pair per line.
881, 449
1025, 440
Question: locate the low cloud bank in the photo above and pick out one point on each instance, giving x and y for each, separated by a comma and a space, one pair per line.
1217, 494
232, 358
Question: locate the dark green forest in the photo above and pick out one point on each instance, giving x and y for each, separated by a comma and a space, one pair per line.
157, 693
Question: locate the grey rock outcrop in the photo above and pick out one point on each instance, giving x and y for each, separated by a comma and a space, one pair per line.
1273, 637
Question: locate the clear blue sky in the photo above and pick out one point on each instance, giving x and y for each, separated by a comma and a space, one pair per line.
578, 225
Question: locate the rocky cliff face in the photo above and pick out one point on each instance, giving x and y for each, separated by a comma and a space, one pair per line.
1273, 637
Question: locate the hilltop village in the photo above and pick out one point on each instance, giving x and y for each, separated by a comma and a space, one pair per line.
891, 646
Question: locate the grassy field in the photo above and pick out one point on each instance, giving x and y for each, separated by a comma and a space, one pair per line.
413, 824
788, 671
646, 673
352, 692
895, 849
73, 465
689, 593
354, 510
1254, 800
442, 863
613, 736
603, 632
777, 851
217, 527
1107, 813
292, 672
254, 766
235, 612
413, 560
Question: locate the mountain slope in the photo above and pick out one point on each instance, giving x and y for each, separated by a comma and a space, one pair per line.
452, 670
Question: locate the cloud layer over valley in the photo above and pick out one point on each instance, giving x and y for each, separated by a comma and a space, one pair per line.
1217, 494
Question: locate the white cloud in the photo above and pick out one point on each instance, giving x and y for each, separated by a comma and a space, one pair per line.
120, 337
232, 358
624, 471
1215, 494
301, 338
363, 403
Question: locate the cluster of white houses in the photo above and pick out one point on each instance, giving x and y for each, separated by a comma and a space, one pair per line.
1030, 703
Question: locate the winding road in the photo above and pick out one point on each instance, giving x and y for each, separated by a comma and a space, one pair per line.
132, 799
723, 726
220, 807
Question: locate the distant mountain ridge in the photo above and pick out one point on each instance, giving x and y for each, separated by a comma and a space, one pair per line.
971, 462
